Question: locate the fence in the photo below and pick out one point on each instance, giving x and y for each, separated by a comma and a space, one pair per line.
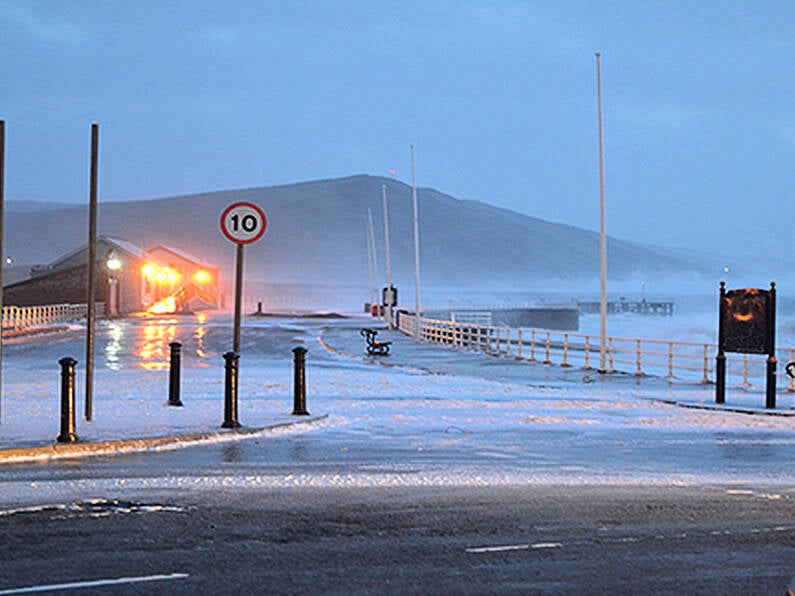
641, 357
22, 317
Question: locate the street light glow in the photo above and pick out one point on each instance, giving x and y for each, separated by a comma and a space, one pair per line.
201, 277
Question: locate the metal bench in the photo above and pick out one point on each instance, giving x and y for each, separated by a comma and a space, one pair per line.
375, 347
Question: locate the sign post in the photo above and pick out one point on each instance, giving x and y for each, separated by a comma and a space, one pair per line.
747, 325
242, 223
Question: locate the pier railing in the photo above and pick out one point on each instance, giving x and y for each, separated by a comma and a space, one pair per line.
25, 317
642, 357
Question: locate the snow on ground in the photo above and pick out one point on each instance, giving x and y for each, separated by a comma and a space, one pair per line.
425, 414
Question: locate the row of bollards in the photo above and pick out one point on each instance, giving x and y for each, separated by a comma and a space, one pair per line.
231, 373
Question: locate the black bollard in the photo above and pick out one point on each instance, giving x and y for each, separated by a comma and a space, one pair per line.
67, 401
299, 382
230, 391
173, 376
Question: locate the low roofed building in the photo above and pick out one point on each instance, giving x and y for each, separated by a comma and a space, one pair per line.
129, 280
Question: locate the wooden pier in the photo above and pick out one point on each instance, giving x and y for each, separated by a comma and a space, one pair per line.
642, 307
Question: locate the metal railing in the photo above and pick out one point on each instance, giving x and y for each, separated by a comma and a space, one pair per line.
642, 357
25, 317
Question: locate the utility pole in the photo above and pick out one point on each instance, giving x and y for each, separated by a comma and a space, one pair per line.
91, 270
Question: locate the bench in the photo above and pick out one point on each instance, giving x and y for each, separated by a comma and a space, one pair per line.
375, 347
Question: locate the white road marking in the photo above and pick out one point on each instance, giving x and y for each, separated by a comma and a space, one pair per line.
512, 547
94, 584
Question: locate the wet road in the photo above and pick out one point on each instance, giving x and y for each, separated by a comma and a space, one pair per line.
474, 540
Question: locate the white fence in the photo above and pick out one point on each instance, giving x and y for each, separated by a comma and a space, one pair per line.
23, 317
661, 358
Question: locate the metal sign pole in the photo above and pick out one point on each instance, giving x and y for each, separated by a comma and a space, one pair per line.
720, 359
770, 390
242, 223
238, 296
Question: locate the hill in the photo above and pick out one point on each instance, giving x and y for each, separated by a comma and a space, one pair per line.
317, 235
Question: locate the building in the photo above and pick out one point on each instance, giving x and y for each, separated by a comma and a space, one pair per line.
170, 272
129, 280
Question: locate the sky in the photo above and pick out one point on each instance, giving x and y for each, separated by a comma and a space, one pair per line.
498, 98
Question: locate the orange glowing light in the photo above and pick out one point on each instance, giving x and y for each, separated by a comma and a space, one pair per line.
153, 349
160, 275
201, 277
744, 318
163, 307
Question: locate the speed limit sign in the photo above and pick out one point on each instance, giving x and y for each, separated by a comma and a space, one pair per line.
243, 223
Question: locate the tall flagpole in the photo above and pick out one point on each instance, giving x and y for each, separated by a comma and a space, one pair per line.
602, 238
417, 334
2, 226
386, 257
376, 301
370, 277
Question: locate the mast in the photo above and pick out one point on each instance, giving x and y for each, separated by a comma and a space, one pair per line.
386, 253
602, 237
417, 333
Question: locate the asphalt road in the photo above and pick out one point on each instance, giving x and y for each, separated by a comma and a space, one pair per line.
519, 539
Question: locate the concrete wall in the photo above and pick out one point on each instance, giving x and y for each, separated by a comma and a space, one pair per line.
561, 318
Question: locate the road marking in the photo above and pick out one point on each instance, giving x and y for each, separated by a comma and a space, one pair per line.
512, 547
94, 584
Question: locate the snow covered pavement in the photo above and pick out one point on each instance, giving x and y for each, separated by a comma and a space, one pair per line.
425, 414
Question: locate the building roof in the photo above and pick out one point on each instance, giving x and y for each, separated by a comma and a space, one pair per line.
63, 261
122, 245
182, 255
126, 246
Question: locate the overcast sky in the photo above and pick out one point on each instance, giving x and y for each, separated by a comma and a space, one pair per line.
498, 98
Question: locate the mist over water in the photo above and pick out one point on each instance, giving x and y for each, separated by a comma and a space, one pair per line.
695, 317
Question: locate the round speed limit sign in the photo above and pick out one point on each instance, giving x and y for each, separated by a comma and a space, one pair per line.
243, 223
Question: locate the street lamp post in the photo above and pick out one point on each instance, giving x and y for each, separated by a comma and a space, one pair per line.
113, 265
